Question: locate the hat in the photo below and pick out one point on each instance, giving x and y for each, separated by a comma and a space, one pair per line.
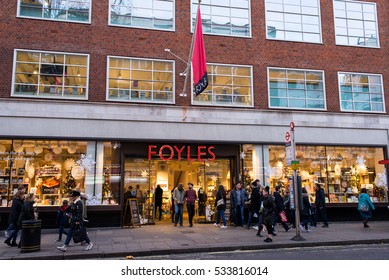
74, 194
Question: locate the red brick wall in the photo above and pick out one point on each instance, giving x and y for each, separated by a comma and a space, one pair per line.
99, 40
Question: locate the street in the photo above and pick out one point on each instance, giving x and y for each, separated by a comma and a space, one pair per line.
351, 252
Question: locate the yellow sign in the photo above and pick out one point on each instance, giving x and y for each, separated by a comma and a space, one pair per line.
295, 165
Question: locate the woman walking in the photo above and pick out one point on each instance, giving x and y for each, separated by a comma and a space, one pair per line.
220, 204
17, 204
365, 206
269, 209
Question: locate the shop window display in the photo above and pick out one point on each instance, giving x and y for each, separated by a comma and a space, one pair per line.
51, 169
342, 171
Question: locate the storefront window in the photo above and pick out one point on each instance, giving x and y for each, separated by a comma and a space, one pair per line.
342, 171
51, 169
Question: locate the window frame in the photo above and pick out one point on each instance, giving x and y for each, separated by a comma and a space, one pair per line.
363, 21
60, 20
143, 101
362, 111
62, 97
143, 27
300, 32
234, 105
297, 108
194, 11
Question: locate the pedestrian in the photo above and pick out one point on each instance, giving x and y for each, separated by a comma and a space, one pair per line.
190, 198
158, 201
76, 221
16, 209
269, 209
238, 198
220, 205
365, 207
63, 219
172, 208
83, 198
254, 203
27, 213
320, 205
305, 212
179, 200
280, 210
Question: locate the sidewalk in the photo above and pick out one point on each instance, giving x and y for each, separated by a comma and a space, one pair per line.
162, 239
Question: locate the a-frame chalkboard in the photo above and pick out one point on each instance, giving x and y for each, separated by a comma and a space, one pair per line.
133, 209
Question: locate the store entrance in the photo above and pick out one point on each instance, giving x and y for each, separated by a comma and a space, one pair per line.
143, 176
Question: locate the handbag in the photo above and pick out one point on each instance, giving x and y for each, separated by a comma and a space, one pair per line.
363, 207
220, 202
283, 216
79, 234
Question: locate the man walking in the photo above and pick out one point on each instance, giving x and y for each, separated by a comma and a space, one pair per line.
190, 197
179, 200
238, 197
158, 201
320, 204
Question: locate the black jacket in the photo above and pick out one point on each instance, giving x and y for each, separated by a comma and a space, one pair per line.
220, 195
269, 209
27, 212
255, 200
320, 198
16, 209
76, 213
279, 202
158, 196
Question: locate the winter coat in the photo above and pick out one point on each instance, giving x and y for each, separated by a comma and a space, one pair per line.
76, 212
63, 215
269, 209
279, 201
16, 209
364, 199
234, 197
320, 199
158, 196
255, 200
27, 212
220, 195
306, 207
179, 196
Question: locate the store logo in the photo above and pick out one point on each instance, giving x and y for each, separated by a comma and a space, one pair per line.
167, 152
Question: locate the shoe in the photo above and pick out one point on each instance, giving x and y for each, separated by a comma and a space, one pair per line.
85, 220
63, 248
259, 234
365, 225
175, 225
268, 240
216, 225
88, 247
8, 242
223, 227
325, 226
288, 228
255, 227
181, 225
14, 244
58, 240
302, 229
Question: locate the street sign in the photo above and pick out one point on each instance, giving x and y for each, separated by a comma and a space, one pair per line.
288, 153
291, 126
295, 165
287, 136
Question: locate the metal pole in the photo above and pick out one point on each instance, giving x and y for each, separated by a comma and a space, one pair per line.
298, 237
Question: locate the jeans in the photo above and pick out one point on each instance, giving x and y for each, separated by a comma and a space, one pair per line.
321, 212
251, 215
190, 207
70, 235
179, 210
62, 230
241, 209
220, 214
15, 230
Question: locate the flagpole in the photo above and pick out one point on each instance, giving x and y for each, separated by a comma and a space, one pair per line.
187, 71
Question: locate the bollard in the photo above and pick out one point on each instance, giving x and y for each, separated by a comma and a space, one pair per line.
31, 236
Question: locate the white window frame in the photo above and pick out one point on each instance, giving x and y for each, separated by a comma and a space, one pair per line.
142, 27
61, 20
234, 105
192, 22
297, 108
142, 101
84, 97
299, 41
376, 23
361, 111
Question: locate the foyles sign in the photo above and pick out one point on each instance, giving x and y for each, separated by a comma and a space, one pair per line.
190, 153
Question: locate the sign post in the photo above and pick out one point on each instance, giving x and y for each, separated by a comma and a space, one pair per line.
290, 148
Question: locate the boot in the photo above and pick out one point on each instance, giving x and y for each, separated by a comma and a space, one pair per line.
14, 244
8, 242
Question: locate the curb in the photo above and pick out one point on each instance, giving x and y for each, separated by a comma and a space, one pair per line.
156, 252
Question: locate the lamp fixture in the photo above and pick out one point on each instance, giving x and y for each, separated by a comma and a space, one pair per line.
78, 72
120, 74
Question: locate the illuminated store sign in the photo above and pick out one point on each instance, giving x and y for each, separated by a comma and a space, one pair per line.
167, 152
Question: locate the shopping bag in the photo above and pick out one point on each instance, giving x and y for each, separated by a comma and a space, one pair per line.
79, 234
283, 217
220, 202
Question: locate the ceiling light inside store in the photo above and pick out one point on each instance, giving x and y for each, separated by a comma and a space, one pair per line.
57, 150
72, 149
38, 149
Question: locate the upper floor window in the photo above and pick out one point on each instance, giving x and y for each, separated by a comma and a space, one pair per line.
229, 85
50, 74
140, 80
224, 17
361, 92
299, 89
293, 20
150, 14
62, 10
356, 23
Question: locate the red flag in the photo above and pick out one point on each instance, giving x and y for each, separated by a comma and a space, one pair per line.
199, 64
